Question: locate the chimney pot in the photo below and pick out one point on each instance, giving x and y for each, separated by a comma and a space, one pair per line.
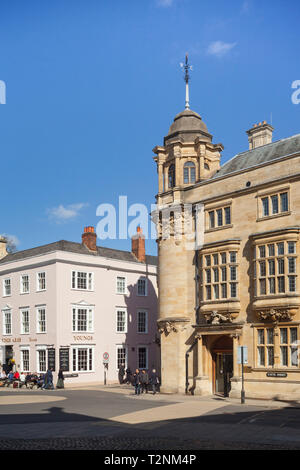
260, 134
89, 238
138, 245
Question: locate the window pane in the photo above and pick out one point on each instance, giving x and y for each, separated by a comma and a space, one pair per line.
291, 247
274, 200
224, 291
223, 258
261, 356
261, 336
281, 287
284, 205
271, 267
280, 248
227, 215
224, 274
208, 261
270, 336
216, 291
283, 336
271, 249
262, 268
232, 256
216, 259
270, 353
262, 284
262, 251
284, 355
265, 206
280, 266
208, 276
272, 285
292, 265
292, 283
211, 219
220, 217
208, 293
233, 289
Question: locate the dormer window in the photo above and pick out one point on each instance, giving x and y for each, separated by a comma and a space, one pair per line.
171, 176
189, 173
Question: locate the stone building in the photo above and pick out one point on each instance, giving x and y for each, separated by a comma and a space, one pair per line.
66, 304
228, 247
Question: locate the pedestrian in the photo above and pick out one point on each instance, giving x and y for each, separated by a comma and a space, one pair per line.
60, 380
50, 380
154, 381
22, 379
144, 381
121, 374
136, 382
128, 375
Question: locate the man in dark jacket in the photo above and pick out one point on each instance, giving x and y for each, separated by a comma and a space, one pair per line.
154, 381
121, 374
128, 375
136, 382
144, 381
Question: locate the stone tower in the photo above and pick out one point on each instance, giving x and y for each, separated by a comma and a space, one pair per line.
187, 157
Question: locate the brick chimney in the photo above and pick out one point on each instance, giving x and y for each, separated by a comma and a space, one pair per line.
138, 245
89, 238
260, 134
3, 244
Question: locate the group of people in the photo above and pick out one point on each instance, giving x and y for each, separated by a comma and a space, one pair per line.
29, 380
141, 380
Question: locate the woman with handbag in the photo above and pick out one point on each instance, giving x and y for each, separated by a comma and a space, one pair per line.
60, 380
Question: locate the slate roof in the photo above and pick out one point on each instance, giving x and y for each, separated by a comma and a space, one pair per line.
260, 155
79, 248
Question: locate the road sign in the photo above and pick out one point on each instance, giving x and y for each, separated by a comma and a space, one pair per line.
105, 358
245, 355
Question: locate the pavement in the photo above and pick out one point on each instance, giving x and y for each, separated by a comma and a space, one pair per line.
112, 417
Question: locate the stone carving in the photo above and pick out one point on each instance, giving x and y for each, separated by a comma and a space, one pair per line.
216, 318
275, 314
168, 327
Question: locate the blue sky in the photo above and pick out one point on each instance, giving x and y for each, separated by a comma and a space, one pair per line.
92, 86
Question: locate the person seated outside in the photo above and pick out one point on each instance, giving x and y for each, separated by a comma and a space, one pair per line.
10, 378
40, 381
22, 379
16, 375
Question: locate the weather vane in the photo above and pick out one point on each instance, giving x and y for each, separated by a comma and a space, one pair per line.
186, 68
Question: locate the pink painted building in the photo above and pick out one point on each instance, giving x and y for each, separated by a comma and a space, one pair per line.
64, 305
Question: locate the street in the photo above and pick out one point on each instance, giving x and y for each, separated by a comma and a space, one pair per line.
114, 418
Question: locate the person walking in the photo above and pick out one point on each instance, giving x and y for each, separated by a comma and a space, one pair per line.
136, 382
154, 381
128, 375
121, 374
60, 379
144, 381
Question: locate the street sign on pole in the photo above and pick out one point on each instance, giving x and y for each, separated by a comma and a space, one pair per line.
105, 358
243, 349
242, 359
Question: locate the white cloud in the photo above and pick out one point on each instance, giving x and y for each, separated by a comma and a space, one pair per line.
12, 241
220, 48
65, 213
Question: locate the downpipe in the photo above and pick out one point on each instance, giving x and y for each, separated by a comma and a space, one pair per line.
187, 366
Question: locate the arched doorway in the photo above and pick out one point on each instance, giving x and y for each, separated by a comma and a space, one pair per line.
222, 355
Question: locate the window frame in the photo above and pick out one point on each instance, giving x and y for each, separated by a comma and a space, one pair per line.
89, 280
122, 310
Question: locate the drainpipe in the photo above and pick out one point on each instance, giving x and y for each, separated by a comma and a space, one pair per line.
196, 312
187, 365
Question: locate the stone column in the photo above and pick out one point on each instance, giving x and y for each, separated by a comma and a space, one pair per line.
160, 178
